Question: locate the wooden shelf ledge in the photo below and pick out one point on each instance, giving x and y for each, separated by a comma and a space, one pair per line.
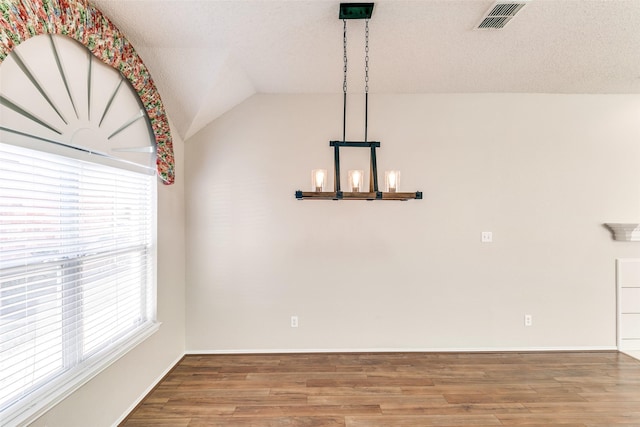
625, 232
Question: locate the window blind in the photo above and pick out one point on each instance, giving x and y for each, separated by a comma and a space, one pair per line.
76, 266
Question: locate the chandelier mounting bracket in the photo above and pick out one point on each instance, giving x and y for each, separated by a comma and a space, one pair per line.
356, 10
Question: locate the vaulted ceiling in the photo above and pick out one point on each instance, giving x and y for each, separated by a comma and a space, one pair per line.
207, 56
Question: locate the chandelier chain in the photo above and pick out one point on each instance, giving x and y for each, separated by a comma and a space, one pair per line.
344, 48
366, 56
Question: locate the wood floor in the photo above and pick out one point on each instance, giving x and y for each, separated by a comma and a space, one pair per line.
595, 389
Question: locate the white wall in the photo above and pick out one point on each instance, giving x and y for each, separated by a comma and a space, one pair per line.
111, 395
542, 172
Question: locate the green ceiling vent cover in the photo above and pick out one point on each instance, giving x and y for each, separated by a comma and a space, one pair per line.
356, 10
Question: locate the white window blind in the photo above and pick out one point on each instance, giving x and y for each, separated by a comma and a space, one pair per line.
76, 267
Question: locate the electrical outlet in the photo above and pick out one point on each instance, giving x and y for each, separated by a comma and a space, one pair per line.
528, 320
294, 321
486, 237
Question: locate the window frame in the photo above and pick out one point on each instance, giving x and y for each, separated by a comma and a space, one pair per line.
42, 398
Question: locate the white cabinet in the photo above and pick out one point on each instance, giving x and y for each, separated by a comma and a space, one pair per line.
628, 283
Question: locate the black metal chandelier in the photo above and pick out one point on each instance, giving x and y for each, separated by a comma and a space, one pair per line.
356, 177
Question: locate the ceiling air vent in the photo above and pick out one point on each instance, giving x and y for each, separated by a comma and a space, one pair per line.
500, 14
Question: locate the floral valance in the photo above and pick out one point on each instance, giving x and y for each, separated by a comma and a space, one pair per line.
23, 19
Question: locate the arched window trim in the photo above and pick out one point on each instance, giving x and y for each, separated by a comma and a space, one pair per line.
23, 19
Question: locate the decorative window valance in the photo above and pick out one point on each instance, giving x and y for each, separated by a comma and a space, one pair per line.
23, 19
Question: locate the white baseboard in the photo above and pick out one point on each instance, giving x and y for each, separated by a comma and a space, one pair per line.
633, 353
404, 350
147, 391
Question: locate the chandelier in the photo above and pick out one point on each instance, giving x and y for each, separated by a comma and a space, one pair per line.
355, 188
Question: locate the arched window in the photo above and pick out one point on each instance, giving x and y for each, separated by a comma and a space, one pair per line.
77, 222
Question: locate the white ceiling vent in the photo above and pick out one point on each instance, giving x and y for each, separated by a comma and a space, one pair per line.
500, 14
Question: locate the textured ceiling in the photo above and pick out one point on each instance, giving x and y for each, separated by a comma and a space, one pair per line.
208, 56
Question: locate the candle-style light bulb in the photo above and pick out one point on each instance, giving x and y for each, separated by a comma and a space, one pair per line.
393, 178
355, 178
318, 179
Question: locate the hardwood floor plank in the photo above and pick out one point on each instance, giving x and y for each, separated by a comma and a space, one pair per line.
422, 420
305, 376
170, 411
269, 422
512, 398
370, 381
160, 422
239, 384
248, 400
456, 409
551, 419
387, 401
208, 393
306, 410
620, 408
612, 396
